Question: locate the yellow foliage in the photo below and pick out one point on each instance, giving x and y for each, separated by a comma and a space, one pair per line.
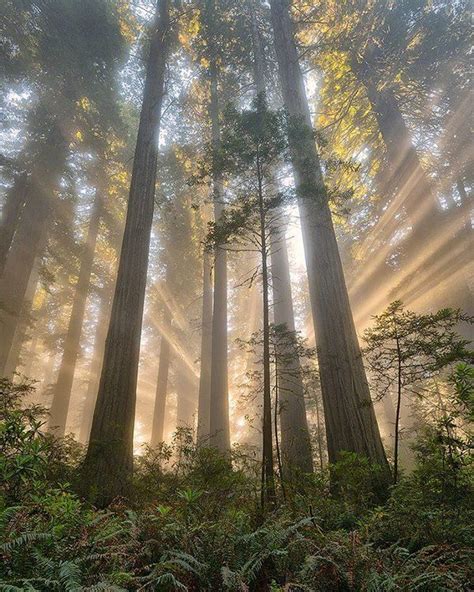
121, 177
127, 22
189, 31
84, 104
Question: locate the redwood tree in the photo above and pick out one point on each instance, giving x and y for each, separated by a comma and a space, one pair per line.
108, 464
295, 438
204, 400
62, 390
350, 419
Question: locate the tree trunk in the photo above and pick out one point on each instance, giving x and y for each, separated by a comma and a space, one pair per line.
295, 438
161, 383
186, 397
30, 236
108, 464
23, 326
466, 205
28, 243
96, 365
253, 409
219, 430
397, 413
268, 485
11, 212
62, 390
350, 419
204, 405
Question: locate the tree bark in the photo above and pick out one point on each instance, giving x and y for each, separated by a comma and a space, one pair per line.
186, 397
268, 485
408, 185
28, 243
11, 212
407, 173
397, 412
23, 326
350, 419
30, 235
204, 404
36, 169
62, 390
108, 464
161, 383
295, 438
219, 431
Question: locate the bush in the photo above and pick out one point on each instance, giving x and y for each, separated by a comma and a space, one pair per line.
195, 523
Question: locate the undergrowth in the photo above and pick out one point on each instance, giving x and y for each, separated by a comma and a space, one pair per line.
194, 522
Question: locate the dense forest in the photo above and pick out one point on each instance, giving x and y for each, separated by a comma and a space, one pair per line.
236, 295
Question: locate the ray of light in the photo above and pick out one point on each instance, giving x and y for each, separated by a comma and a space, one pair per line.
466, 271
386, 226
413, 277
162, 290
177, 348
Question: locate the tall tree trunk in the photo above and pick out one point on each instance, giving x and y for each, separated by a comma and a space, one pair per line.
268, 485
23, 325
108, 465
253, 409
157, 431
62, 390
465, 207
350, 419
219, 430
96, 364
295, 438
45, 144
186, 397
30, 235
28, 243
204, 404
11, 212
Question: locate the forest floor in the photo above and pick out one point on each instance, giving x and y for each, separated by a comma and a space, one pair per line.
193, 523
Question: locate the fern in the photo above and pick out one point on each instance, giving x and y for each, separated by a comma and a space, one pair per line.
27, 585
187, 562
168, 579
24, 539
70, 576
45, 564
7, 514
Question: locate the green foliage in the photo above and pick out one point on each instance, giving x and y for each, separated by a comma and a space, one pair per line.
253, 143
25, 450
433, 505
29, 455
195, 522
410, 347
406, 350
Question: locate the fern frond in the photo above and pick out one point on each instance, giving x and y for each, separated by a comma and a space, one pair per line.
24, 539
168, 579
